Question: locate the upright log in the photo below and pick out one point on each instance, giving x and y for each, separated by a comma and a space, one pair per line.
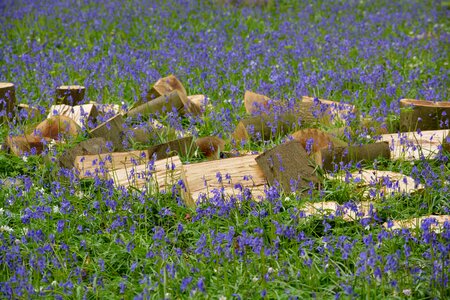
111, 130
424, 115
7, 100
159, 105
70, 94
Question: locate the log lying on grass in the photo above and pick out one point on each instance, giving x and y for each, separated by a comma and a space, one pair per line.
200, 101
288, 164
313, 139
359, 211
254, 102
210, 146
20, 145
111, 130
31, 111
93, 146
159, 105
326, 158
424, 115
331, 112
435, 223
182, 146
233, 175
70, 94
57, 128
81, 114
7, 100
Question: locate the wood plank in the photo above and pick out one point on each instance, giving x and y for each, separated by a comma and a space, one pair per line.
153, 176
411, 145
81, 114
201, 179
332, 207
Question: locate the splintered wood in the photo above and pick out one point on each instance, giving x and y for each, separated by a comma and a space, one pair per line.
413, 145
228, 176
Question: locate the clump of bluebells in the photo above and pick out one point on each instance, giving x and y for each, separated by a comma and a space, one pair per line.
63, 237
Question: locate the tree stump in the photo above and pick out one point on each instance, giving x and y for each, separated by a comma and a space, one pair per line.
210, 146
70, 94
111, 131
159, 105
424, 115
255, 103
289, 166
92, 146
7, 101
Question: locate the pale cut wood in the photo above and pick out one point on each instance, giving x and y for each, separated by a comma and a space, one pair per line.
412, 145
154, 176
331, 112
316, 139
98, 164
7, 100
160, 105
70, 94
200, 179
254, 102
81, 114
57, 128
424, 115
88, 147
210, 146
436, 221
362, 210
111, 130
200, 101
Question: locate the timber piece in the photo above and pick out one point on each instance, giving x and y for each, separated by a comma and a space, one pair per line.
431, 222
424, 115
70, 94
289, 166
7, 100
348, 213
31, 111
88, 147
165, 86
57, 128
234, 175
331, 112
446, 143
415, 145
81, 114
20, 145
153, 176
182, 146
111, 130
313, 139
254, 102
200, 101
326, 158
99, 164
210, 146
160, 105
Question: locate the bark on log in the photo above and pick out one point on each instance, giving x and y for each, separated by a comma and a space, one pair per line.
210, 146
255, 103
31, 112
289, 166
111, 130
312, 140
7, 101
70, 94
424, 115
20, 145
331, 112
180, 147
93, 146
159, 105
57, 128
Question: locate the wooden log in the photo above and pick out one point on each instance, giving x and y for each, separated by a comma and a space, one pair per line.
165, 86
57, 128
159, 105
21, 145
436, 223
414, 145
31, 111
446, 143
70, 94
182, 146
7, 101
312, 139
200, 101
81, 114
93, 146
107, 109
424, 115
201, 180
326, 158
210, 146
153, 176
111, 130
289, 166
331, 112
255, 103
362, 210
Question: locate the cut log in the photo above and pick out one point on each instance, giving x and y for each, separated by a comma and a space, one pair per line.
165, 86
312, 140
230, 177
210, 146
200, 101
359, 211
182, 147
153, 176
57, 128
446, 143
111, 130
159, 105
100, 164
70, 94
93, 146
289, 166
414, 146
327, 158
7, 101
331, 112
107, 109
424, 115
435, 223
31, 112
255, 103
81, 114
21, 145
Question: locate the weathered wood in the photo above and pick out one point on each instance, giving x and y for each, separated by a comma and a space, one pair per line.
165, 86
182, 146
70, 94
327, 158
31, 111
7, 100
362, 210
413, 145
108, 109
446, 143
200, 101
111, 130
436, 223
159, 105
331, 112
255, 103
210, 146
89, 147
57, 128
238, 173
289, 166
154, 176
312, 140
99, 164
20, 145
81, 114
424, 115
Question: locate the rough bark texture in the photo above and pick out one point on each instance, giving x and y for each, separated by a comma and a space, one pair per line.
93, 146
111, 130
210, 146
181, 147
7, 101
70, 94
423, 115
159, 105
331, 112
